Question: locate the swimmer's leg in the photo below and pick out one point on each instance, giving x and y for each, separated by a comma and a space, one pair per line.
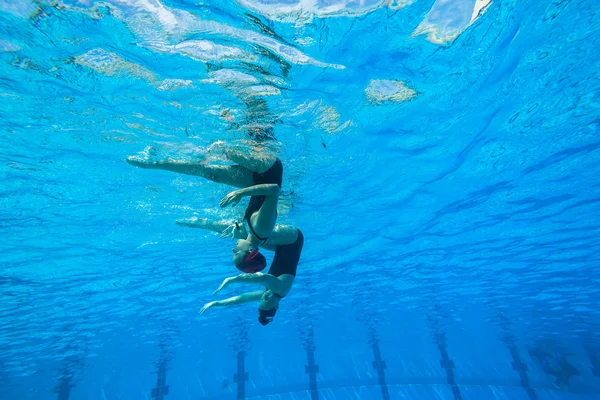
204, 223
234, 175
227, 228
255, 162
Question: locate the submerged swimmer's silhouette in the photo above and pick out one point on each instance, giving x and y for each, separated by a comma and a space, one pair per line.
259, 177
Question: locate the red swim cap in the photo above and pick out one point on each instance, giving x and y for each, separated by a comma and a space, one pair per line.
254, 262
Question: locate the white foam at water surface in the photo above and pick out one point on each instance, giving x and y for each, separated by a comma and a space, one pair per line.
111, 64
161, 27
167, 18
172, 84
289, 53
447, 19
303, 11
8, 47
228, 77
385, 90
19, 8
320, 115
261, 90
205, 51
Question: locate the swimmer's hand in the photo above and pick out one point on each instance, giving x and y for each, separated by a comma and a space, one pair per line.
229, 231
207, 306
225, 283
235, 231
232, 198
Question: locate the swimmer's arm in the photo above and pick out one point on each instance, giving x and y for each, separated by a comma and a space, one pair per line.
233, 301
226, 228
203, 223
241, 299
269, 281
267, 189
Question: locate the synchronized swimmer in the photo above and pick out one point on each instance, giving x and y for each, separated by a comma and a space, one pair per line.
259, 177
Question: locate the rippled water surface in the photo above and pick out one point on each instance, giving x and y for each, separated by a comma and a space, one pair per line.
441, 157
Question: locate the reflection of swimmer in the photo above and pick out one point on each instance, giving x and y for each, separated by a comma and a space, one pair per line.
287, 242
257, 121
563, 370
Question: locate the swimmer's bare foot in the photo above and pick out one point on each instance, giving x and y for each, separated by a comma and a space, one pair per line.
145, 159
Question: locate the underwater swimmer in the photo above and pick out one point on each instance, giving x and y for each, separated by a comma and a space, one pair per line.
259, 220
260, 177
287, 242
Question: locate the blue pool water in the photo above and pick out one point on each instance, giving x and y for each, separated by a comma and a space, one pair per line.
442, 158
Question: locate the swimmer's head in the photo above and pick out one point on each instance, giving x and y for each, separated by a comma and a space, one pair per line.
247, 258
267, 307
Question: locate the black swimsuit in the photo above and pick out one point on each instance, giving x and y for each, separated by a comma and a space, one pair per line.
287, 257
273, 175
